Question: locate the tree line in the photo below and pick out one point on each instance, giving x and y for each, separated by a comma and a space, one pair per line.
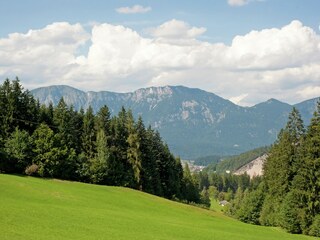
289, 192
60, 142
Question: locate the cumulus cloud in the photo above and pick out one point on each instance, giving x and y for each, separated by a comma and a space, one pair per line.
42, 55
282, 63
177, 29
134, 9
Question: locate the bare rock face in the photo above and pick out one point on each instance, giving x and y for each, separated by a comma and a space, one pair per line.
253, 168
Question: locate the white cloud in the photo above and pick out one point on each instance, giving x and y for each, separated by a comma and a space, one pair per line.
134, 9
177, 29
282, 63
42, 55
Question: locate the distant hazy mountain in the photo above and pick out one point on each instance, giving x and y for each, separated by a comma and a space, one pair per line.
193, 122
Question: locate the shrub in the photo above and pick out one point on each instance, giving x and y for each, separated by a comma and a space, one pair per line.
32, 169
315, 227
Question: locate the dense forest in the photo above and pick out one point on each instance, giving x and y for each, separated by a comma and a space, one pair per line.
288, 195
59, 142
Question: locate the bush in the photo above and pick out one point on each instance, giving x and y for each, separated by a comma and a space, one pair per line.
32, 169
315, 227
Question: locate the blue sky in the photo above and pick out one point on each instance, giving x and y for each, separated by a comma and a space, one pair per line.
222, 21
244, 50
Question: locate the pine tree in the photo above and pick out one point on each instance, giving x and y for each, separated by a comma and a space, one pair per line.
65, 128
133, 151
150, 176
99, 165
307, 180
282, 166
102, 121
89, 134
190, 188
18, 109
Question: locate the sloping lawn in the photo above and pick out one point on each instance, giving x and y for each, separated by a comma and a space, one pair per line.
34, 208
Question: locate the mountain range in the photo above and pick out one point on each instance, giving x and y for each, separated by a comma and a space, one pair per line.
193, 122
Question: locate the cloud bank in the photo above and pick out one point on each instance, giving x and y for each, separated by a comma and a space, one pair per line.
282, 63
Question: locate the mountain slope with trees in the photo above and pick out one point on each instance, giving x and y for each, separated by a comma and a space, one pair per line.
289, 193
193, 122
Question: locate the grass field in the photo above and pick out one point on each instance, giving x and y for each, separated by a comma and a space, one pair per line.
33, 208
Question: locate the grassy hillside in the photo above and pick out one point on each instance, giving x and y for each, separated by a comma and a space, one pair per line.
33, 208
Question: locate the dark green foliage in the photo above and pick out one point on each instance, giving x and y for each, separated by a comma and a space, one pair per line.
133, 150
235, 203
315, 227
88, 134
205, 197
293, 213
280, 170
98, 166
190, 186
251, 205
270, 212
207, 160
150, 177
63, 143
203, 180
18, 109
18, 148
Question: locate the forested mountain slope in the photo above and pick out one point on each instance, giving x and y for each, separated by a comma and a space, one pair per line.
193, 122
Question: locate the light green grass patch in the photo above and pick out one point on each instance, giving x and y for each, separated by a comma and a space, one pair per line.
34, 208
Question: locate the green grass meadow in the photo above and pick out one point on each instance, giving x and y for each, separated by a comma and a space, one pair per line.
34, 208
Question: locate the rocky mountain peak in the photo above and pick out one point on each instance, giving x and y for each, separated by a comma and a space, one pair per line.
193, 122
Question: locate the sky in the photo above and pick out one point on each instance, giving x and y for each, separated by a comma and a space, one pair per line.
247, 51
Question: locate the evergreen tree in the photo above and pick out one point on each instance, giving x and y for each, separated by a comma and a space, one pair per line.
150, 176
46, 114
190, 187
282, 166
292, 216
205, 198
103, 120
99, 165
65, 128
133, 151
307, 179
250, 208
89, 134
18, 109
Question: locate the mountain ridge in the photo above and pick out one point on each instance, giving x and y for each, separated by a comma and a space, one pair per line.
192, 121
